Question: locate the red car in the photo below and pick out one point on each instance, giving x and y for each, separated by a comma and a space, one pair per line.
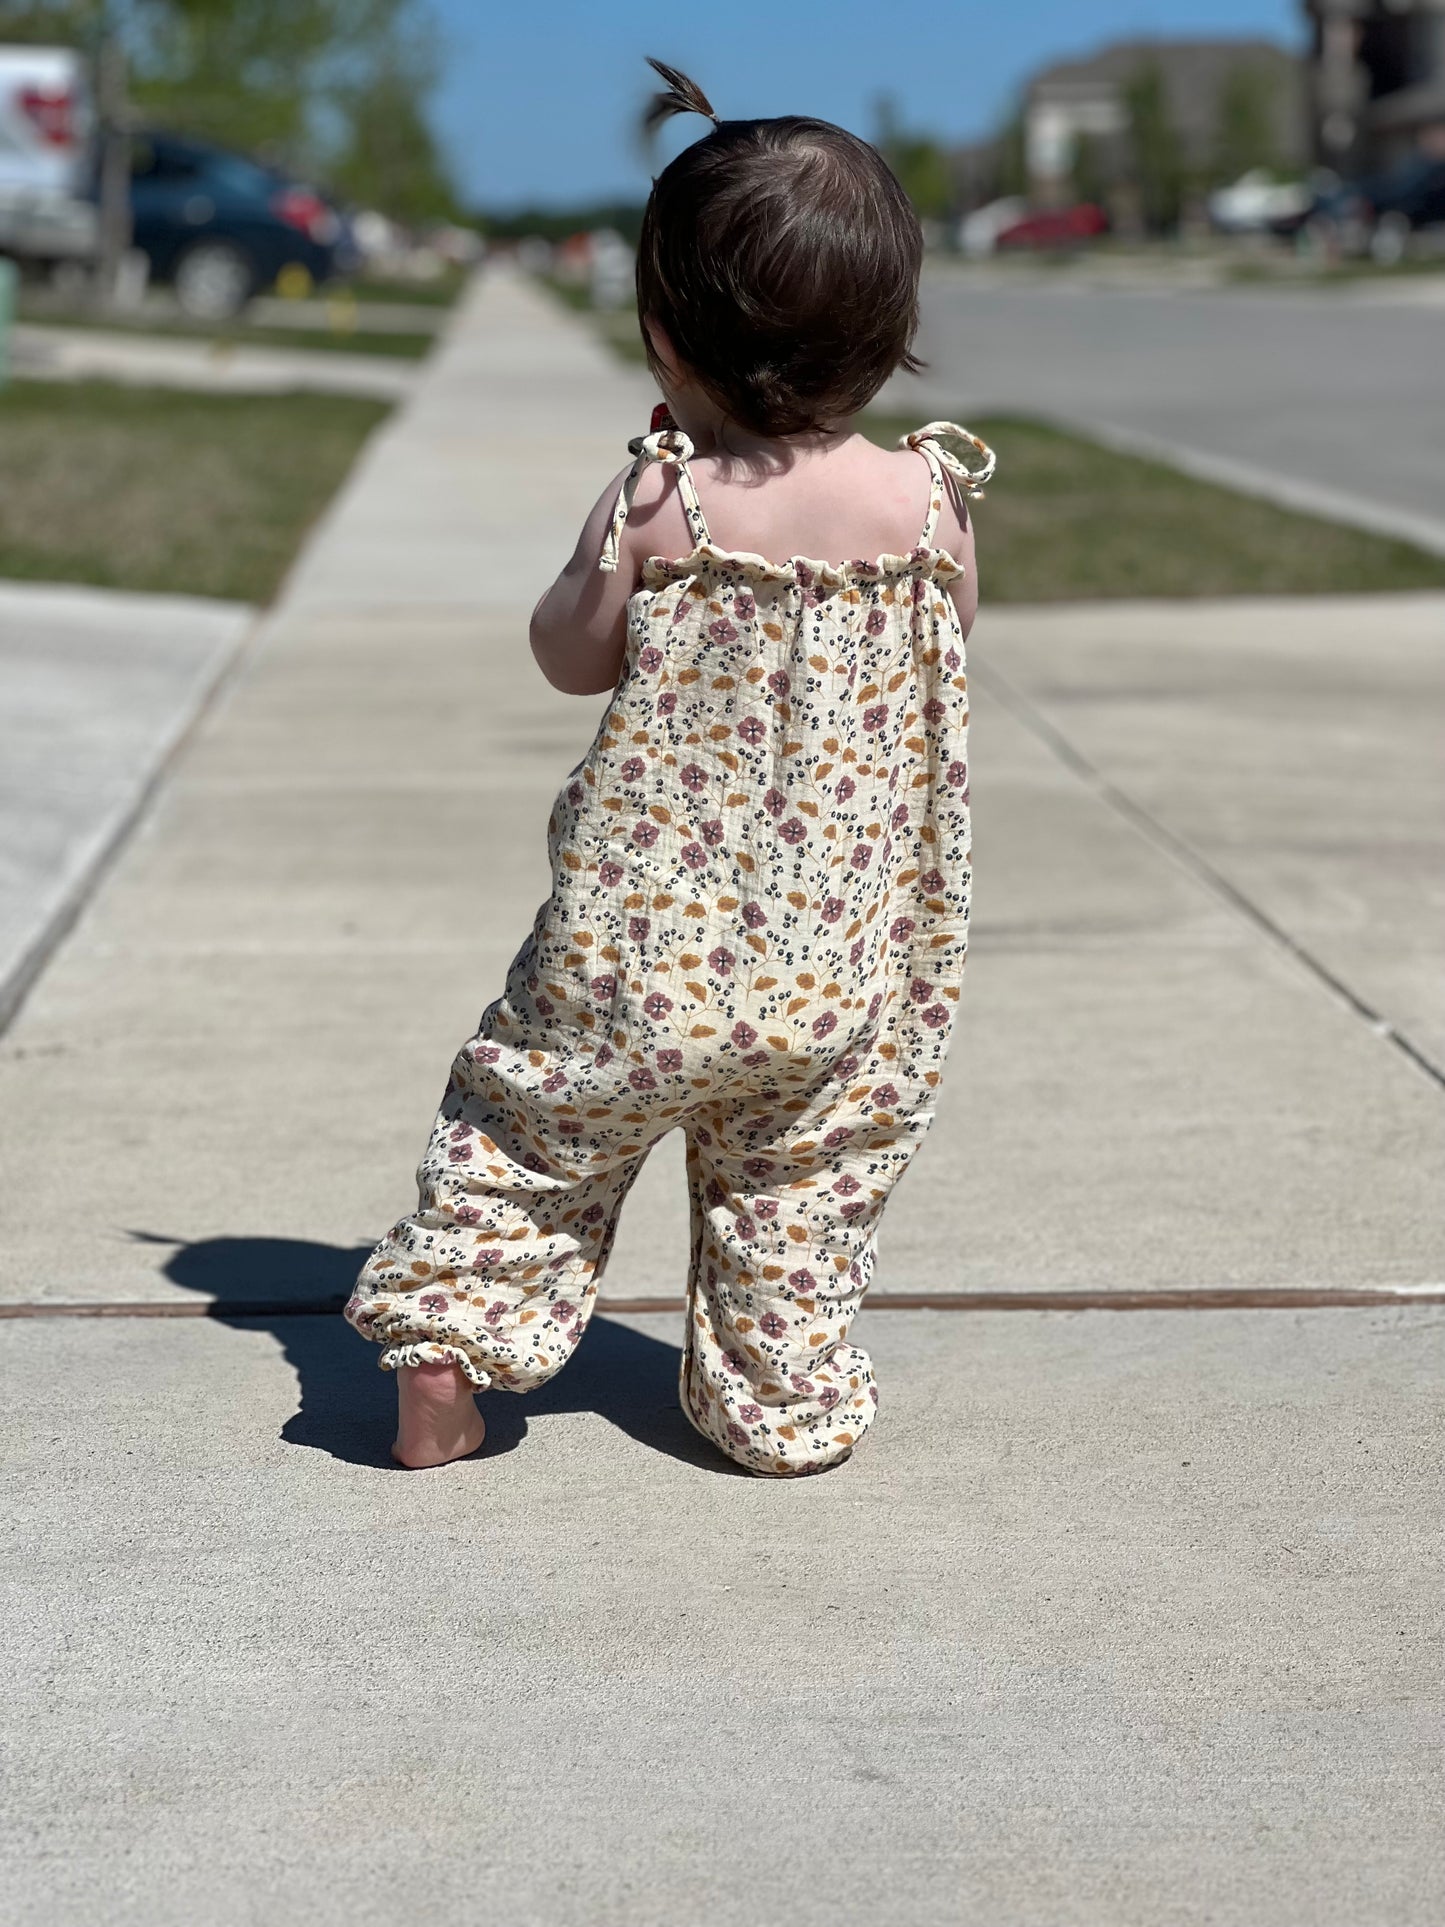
1055, 227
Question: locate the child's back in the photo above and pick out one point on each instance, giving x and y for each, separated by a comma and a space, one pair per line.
756, 932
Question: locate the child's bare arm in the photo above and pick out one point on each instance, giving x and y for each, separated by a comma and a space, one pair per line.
579, 628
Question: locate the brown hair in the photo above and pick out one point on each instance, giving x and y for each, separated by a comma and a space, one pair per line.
782, 257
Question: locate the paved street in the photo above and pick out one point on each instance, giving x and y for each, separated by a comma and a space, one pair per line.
1339, 400
1121, 1617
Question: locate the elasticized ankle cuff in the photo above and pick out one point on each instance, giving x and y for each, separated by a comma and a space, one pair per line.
428, 1352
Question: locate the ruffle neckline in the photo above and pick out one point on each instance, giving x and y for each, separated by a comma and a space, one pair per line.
799, 570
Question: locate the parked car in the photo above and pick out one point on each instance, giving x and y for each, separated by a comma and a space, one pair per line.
221, 227
46, 212
1257, 202
1054, 227
1378, 215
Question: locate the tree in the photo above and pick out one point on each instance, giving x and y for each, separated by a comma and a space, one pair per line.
305, 83
1156, 156
918, 161
1245, 135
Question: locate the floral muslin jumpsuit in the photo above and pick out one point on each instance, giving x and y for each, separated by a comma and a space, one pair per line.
756, 933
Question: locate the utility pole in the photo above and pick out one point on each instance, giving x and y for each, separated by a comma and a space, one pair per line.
114, 116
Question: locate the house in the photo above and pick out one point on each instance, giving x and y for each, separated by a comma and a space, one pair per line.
1377, 73
1083, 107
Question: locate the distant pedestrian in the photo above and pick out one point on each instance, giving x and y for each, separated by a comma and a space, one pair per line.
761, 867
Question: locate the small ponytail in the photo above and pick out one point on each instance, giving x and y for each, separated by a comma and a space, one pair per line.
683, 96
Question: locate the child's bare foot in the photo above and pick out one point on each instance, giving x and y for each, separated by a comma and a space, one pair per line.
437, 1416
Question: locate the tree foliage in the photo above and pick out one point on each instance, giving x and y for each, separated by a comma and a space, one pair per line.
1245, 130
1156, 155
337, 87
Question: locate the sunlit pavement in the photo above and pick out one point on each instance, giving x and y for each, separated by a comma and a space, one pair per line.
1119, 1617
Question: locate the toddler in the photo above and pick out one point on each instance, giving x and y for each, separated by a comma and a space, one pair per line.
761, 876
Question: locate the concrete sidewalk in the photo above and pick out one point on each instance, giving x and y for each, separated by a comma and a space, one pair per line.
46, 352
1120, 1618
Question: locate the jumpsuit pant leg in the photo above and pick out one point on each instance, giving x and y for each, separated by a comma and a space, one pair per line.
497, 1269
785, 1224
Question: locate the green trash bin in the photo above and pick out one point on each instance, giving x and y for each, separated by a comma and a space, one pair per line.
9, 280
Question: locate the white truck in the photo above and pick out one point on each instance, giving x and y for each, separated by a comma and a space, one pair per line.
47, 156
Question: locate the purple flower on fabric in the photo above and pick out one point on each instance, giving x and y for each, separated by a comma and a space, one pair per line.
855, 952
575, 794
562, 1309
936, 1016
594, 1214
744, 605
604, 988
642, 1079
638, 928
460, 1154
829, 1397
778, 682
803, 576
953, 660
846, 1186
932, 882
433, 1301
839, 1134
754, 916
722, 630
752, 730
667, 702
920, 589
901, 929
485, 1053
750, 1414
495, 1312
735, 1363
712, 832
649, 660
609, 872
772, 1326
534, 1161
957, 774
657, 1005
467, 1214
545, 1007
603, 1057
694, 856
758, 1168
900, 816
877, 622
832, 909
774, 801
745, 1227
743, 1035
736, 1433
556, 1082
846, 1065
794, 831
632, 769
824, 1024
644, 834
669, 1060
875, 716
862, 856
885, 1096
802, 1280
845, 789
933, 710
920, 990
693, 777
801, 1384
721, 961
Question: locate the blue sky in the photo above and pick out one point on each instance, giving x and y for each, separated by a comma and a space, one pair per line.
540, 97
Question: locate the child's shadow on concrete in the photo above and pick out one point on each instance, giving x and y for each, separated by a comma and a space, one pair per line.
348, 1408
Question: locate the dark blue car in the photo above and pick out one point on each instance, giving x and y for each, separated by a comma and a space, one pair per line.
221, 227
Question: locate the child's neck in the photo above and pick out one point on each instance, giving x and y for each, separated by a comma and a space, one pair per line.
711, 432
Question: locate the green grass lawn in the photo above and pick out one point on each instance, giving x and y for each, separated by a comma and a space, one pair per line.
1066, 520
148, 488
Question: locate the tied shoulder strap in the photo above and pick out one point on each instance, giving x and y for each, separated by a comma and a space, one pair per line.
929, 442
670, 447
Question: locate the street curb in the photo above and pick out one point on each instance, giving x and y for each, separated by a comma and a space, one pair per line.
1245, 478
